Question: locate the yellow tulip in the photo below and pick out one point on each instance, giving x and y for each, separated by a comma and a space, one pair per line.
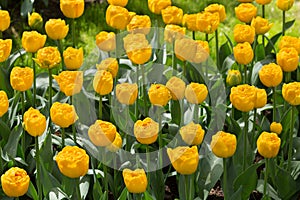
243, 53
34, 122
4, 104
106, 41
173, 32
192, 133
244, 33
202, 51
217, 8
56, 29
184, 159
139, 24
288, 59
35, 21
261, 25
189, 21
72, 161
268, 144
109, 64
243, 97
15, 182
116, 144
117, 17
135, 181
172, 15
32, 41
48, 57
223, 144
177, 87
103, 82
73, 58
270, 75
285, 5
102, 133
5, 49
4, 20
196, 93
245, 12
263, 2
291, 93
127, 93
289, 41
159, 94
233, 78
245, 1
21, 79
207, 22
261, 98
122, 3
156, 6
146, 131
72, 8
276, 127
63, 114
70, 82
185, 49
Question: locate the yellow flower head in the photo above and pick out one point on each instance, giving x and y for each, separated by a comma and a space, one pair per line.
192, 133
5, 49
184, 159
34, 122
72, 8
63, 114
146, 131
261, 25
172, 15
116, 144
261, 98
217, 8
4, 20
106, 41
135, 181
35, 21
270, 75
103, 82
245, 12
223, 144
32, 41
177, 87
291, 93
15, 182
127, 93
156, 6
102, 133
196, 93
263, 2
56, 29
48, 57
117, 17
159, 94
4, 104
185, 49
21, 79
288, 59
189, 21
285, 5
122, 3
70, 82
173, 32
202, 51
243, 33
208, 22
289, 41
72, 161
243, 97
73, 58
109, 64
243, 53
233, 78
268, 144
139, 24
276, 127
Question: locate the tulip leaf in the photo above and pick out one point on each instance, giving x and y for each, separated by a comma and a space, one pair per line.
32, 193
5, 131
12, 144
271, 43
259, 52
270, 190
26, 7
49, 182
57, 194
147, 196
289, 24
176, 111
224, 52
124, 194
4, 82
237, 194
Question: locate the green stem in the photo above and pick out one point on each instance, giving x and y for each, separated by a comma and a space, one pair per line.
50, 89
184, 69
290, 150
225, 179
73, 33
263, 11
174, 64
115, 175
160, 142
73, 125
206, 62
266, 177
283, 23
245, 73
148, 165
34, 82
196, 113
186, 186
191, 186
245, 139
105, 172
254, 123
37, 161
1, 35
274, 104
100, 107
63, 136
144, 89
181, 103
78, 188
23, 131
60, 48
194, 35
217, 48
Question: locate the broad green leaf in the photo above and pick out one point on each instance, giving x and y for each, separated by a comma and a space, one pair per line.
289, 24
49, 182
26, 7
46, 152
4, 82
5, 131
259, 52
271, 43
32, 193
176, 112
237, 194
12, 144
285, 184
148, 196
270, 190
124, 194
224, 52
57, 194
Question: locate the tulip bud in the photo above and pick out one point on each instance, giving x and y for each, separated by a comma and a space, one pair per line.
276, 128
234, 77
35, 21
